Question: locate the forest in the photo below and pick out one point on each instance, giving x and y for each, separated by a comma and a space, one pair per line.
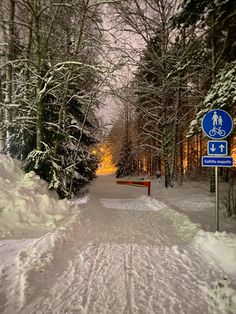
61, 60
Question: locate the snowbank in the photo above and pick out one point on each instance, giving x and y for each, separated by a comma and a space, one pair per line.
40, 225
221, 246
26, 204
219, 249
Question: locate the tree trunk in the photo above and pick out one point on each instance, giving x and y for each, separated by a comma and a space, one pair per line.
166, 161
200, 163
213, 60
9, 74
70, 72
181, 158
2, 137
174, 147
188, 155
38, 53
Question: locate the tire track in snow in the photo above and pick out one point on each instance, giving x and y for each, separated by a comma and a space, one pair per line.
94, 256
137, 264
93, 283
151, 279
129, 283
183, 261
94, 269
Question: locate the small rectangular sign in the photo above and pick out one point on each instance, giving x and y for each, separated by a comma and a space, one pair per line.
208, 161
219, 148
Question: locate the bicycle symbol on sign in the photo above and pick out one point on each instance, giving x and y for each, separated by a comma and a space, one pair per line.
218, 131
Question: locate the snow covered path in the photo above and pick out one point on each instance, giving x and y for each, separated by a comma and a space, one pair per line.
130, 254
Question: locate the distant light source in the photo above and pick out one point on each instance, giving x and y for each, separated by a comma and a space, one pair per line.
106, 163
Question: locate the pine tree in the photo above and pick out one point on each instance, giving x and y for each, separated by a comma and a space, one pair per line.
127, 163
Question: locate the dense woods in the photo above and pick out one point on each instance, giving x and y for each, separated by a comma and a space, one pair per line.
186, 68
50, 79
52, 75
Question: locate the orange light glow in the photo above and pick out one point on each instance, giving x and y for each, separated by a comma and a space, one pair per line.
106, 164
234, 150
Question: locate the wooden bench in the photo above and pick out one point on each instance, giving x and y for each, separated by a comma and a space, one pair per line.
136, 183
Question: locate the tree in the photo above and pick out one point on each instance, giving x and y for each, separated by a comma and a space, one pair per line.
149, 20
217, 20
127, 165
56, 86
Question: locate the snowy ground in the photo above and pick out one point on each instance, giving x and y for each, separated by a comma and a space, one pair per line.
26, 205
124, 253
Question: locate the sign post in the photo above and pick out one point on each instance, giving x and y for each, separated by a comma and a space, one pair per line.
217, 124
217, 200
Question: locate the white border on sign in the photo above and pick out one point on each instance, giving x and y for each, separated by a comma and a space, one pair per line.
218, 141
213, 138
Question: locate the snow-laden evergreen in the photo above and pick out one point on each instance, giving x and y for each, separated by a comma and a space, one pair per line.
127, 164
221, 95
49, 95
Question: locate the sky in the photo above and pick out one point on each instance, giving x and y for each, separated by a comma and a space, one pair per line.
120, 43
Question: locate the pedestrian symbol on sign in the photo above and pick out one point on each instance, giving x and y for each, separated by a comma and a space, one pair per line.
217, 119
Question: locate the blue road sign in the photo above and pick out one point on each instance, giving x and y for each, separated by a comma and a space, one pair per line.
217, 124
217, 148
208, 161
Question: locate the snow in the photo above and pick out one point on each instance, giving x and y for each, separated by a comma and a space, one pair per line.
81, 200
143, 203
26, 205
220, 95
222, 249
122, 252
